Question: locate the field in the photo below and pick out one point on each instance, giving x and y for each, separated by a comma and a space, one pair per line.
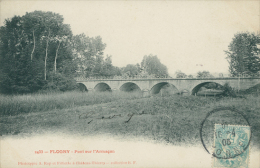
13, 105
172, 119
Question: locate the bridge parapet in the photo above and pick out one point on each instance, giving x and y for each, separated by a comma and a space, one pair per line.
144, 79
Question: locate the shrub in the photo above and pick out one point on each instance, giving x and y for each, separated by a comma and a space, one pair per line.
60, 82
228, 91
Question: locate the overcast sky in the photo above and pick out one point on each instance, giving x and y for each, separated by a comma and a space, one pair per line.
189, 36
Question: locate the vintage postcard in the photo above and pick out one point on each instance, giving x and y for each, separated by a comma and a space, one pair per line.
129, 84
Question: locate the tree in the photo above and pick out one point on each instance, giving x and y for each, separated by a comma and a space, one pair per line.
31, 26
88, 53
108, 70
180, 74
190, 76
28, 51
131, 70
51, 23
204, 74
139, 69
19, 73
242, 55
153, 66
63, 36
45, 29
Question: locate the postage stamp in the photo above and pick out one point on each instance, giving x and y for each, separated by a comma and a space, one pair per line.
231, 146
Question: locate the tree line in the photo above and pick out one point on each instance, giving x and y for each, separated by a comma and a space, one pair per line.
200, 74
39, 52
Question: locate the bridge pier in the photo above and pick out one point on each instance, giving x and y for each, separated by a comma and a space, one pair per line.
91, 90
114, 89
146, 93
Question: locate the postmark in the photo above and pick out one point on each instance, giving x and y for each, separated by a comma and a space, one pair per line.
231, 137
231, 146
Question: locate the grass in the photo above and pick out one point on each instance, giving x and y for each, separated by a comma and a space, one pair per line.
172, 119
13, 105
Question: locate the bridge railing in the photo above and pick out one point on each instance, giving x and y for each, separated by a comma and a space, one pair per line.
149, 77
117, 77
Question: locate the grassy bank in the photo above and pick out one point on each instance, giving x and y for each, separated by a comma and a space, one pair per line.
173, 119
13, 105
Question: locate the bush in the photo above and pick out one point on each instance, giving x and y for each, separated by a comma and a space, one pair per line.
228, 91
253, 90
59, 82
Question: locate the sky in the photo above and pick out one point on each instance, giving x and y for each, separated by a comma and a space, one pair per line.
189, 36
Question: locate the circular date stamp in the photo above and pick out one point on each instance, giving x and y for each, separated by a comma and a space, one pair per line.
231, 146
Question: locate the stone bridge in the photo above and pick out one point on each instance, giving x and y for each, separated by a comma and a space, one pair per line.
153, 86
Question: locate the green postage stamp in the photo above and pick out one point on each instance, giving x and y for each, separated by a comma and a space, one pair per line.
231, 146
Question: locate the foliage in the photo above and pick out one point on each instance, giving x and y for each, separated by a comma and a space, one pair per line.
255, 90
89, 56
131, 70
144, 74
204, 74
39, 52
88, 53
108, 70
243, 55
190, 76
228, 91
153, 66
59, 82
221, 75
180, 74
31, 47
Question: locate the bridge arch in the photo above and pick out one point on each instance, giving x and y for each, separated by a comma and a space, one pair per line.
82, 87
102, 87
130, 87
164, 85
199, 86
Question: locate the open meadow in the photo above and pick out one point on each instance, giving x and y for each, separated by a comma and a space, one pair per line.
172, 119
